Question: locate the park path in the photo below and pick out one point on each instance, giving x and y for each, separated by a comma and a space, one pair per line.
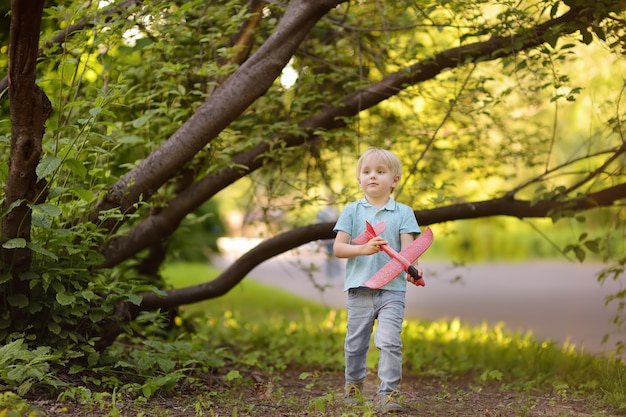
554, 300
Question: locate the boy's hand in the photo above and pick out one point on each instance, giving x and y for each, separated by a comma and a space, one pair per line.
373, 246
419, 282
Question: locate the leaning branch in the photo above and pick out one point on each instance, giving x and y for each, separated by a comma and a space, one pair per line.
294, 238
249, 82
333, 117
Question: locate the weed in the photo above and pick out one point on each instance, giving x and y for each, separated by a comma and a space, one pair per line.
12, 405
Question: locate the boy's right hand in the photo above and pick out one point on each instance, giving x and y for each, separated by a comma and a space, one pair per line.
373, 246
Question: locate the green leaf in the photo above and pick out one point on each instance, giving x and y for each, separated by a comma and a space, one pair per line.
24, 387
76, 168
48, 165
54, 328
34, 307
232, 375
18, 300
166, 365
580, 253
75, 369
551, 37
85, 195
148, 389
134, 298
44, 222
47, 209
599, 32
96, 315
14, 204
139, 122
593, 245
9, 351
16, 243
131, 140
36, 248
88, 295
587, 36
93, 358
65, 299
5, 320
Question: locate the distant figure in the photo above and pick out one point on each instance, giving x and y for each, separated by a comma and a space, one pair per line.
329, 215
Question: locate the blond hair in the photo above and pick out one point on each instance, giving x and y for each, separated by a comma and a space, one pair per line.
388, 158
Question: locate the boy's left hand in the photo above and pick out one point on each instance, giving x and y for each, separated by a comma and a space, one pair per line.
419, 282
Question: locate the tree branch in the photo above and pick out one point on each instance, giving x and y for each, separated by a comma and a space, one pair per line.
121, 248
238, 270
294, 238
250, 81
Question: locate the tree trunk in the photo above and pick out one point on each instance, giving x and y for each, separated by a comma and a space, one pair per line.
29, 109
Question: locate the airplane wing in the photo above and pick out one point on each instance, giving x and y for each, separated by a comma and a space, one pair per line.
385, 275
392, 268
367, 234
418, 246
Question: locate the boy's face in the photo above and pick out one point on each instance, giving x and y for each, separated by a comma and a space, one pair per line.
376, 179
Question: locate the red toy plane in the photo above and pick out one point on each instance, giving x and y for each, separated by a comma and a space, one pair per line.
399, 261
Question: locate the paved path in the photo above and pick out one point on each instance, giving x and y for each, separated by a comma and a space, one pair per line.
555, 300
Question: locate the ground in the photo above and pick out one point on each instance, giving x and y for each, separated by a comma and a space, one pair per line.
297, 393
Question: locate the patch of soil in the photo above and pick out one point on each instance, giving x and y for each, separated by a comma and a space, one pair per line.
294, 393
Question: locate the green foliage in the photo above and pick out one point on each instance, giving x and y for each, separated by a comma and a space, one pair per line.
249, 338
614, 271
197, 237
12, 405
122, 89
507, 239
109, 111
22, 368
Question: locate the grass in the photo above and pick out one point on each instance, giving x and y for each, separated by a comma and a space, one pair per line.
250, 300
263, 320
261, 351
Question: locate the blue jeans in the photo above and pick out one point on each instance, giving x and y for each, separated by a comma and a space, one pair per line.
364, 307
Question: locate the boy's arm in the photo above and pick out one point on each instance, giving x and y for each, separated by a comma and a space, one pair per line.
405, 240
344, 249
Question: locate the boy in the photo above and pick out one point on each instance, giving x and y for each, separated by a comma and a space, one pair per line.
378, 173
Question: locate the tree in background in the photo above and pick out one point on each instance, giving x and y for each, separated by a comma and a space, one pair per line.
126, 117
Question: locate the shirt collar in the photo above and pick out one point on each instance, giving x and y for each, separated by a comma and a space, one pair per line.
391, 204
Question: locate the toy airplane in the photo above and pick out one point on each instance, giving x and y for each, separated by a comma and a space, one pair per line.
399, 262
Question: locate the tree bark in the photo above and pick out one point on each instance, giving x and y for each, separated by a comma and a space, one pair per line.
29, 109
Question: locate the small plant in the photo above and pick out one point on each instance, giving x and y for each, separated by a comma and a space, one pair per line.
492, 375
11, 405
22, 368
321, 404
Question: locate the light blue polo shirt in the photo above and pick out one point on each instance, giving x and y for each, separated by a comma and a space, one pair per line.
399, 219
